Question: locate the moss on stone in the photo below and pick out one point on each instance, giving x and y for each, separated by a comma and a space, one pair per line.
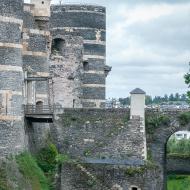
184, 118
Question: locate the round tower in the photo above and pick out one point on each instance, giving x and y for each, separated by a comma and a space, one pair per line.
11, 75
88, 22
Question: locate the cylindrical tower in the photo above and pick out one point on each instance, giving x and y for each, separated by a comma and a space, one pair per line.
11, 75
89, 22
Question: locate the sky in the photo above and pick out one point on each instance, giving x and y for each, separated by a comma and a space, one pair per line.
148, 45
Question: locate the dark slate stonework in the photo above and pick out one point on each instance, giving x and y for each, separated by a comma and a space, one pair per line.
12, 137
12, 8
94, 49
91, 26
94, 93
28, 20
10, 56
96, 64
37, 43
107, 177
76, 19
90, 78
85, 33
10, 32
37, 63
11, 83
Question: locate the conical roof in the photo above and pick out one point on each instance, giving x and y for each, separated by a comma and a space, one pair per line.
137, 91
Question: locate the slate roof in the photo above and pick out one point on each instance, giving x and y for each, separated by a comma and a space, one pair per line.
137, 91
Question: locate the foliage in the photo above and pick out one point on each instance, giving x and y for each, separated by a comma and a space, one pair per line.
184, 118
155, 121
178, 148
178, 182
31, 171
4, 185
46, 158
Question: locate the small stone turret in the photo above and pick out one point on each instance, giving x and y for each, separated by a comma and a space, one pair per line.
138, 110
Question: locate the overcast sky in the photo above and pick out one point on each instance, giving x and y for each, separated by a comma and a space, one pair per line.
148, 45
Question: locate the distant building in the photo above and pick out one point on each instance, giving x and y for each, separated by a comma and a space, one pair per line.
182, 135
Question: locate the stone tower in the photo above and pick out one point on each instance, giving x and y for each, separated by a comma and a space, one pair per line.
89, 23
11, 74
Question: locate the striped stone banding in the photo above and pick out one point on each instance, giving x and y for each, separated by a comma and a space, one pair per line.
86, 57
18, 93
11, 20
94, 85
36, 31
81, 11
10, 68
10, 118
11, 45
32, 53
77, 28
103, 43
94, 72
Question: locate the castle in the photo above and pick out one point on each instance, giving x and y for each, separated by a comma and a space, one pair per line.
51, 55
53, 72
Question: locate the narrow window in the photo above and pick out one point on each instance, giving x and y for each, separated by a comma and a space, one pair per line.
42, 2
85, 65
58, 45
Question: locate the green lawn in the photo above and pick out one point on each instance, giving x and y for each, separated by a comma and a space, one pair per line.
178, 182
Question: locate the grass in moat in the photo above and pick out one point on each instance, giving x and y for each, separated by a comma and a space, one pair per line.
178, 182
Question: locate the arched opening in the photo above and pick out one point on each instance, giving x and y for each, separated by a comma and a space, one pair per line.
57, 47
178, 160
134, 188
39, 106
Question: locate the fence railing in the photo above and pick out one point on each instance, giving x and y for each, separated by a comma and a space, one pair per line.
38, 109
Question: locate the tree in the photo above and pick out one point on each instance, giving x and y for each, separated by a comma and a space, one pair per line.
187, 81
148, 100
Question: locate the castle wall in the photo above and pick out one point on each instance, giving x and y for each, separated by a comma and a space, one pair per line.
89, 22
66, 73
109, 177
99, 133
11, 74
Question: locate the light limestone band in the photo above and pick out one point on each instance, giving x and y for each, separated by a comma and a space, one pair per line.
32, 53
77, 28
10, 118
81, 11
11, 45
11, 20
10, 68
94, 72
11, 92
36, 31
94, 85
85, 57
94, 42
